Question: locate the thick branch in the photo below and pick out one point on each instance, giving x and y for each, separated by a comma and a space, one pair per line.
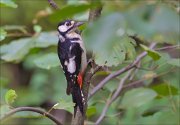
119, 72
79, 119
32, 109
53, 4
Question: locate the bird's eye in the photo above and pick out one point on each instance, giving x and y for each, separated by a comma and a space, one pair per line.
68, 24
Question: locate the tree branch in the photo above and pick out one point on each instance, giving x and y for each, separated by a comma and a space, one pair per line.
79, 119
32, 109
53, 4
139, 83
114, 97
168, 47
119, 72
94, 13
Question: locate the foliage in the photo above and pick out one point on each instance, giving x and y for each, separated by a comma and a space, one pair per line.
8, 3
10, 96
138, 97
64, 105
153, 54
30, 65
3, 34
47, 61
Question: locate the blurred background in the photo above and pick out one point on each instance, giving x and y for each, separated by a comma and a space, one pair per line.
30, 66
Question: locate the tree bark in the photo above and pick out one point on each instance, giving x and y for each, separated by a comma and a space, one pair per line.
78, 119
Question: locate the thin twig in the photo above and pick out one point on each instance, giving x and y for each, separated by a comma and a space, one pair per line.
114, 97
97, 68
32, 109
136, 70
119, 72
139, 83
53, 4
168, 47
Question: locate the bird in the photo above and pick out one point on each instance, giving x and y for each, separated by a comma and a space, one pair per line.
72, 56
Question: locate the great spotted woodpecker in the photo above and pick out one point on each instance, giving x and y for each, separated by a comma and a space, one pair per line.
72, 55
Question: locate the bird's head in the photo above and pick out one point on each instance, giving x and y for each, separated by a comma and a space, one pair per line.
68, 26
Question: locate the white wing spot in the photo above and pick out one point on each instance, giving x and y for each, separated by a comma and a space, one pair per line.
70, 48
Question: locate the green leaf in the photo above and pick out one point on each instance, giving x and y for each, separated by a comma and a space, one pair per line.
153, 54
10, 96
45, 39
106, 39
172, 78
8, 3
37, 28
112, 85
167, 117
147, 22
47, 61
162, 117
70, 10
3, 34
162, 64
165, 90
165, 31
17, 49
64, 105
138, 97
91, 111
174, 62
30, 96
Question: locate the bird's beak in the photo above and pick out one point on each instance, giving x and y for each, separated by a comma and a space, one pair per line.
77, 24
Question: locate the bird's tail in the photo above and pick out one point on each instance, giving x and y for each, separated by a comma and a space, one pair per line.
78, 98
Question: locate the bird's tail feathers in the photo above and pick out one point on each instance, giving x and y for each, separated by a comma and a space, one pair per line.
78, 99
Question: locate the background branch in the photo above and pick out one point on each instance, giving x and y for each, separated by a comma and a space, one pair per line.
53, 4
95, 13
139, 83
32, 109
168, 47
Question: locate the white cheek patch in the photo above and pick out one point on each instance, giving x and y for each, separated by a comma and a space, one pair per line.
62, 28
71, 66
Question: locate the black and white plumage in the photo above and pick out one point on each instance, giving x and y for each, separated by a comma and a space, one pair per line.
72, 55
